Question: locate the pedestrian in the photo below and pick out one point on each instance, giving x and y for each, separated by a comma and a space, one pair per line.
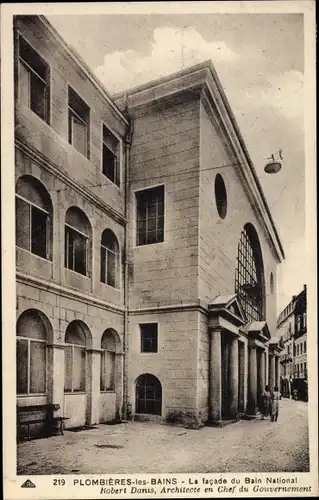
275, 397
265, 403
295, 394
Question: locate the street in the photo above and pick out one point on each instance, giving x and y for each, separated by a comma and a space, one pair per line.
246, 446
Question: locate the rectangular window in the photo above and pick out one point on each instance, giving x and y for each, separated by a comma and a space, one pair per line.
22, 366
305, 346
31, 366
74, 361
78, 369
149, 337
301, 346
33, 80
32, 228
107, 371
37, 367
111, 156
79, 123
108, 267
75, 251
150, 216
68, 369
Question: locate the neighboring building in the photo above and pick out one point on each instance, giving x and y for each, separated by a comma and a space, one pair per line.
145, 246
300, 336
292, 330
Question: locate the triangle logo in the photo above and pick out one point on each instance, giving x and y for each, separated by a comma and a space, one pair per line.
28, 484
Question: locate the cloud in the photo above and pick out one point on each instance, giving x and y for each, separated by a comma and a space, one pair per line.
247, 78
172, 49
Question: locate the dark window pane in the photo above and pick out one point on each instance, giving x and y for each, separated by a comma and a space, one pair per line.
22, 224
80, 254
22, 366
111, 268
32, 58
38, 97
150, 210
149, 335
141, 239
75, 250
78, 135
103, 265
39, 220
109, 164
160, 208
78, 369
37, 367
151, 225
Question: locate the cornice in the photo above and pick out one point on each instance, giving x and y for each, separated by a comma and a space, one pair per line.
50, 286
44, 162
169, 308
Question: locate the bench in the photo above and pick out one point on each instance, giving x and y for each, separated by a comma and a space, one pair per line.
40, 414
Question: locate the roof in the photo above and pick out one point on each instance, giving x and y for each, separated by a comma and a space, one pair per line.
201, 77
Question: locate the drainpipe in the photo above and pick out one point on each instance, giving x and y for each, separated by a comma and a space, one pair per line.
128, 143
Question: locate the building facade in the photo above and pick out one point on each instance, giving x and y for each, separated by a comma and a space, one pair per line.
146, 252
292, 330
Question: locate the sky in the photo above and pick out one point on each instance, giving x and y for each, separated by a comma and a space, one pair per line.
259, 60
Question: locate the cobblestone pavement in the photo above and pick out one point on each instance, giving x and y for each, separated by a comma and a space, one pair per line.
245, 446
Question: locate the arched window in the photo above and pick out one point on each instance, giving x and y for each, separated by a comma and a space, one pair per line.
77, 241
109, 259
75, 357
108, 344
148, 395
33, 217
31, 362
249, 274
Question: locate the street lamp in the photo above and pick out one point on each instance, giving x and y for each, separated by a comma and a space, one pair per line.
274, 165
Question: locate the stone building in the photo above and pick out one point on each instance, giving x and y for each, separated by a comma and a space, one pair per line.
292, 329
146, 251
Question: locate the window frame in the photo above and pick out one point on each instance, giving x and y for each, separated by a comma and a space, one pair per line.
83, 348
107, 250
72, 113
46, 81
119, 156
29, 393
48, 229
138, 193
103, 387
249, 271
66, 247
141, 325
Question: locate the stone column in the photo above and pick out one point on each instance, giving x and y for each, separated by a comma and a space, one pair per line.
272, 373
119, 384
55, 381
252, 381
93, 386
266, 367
233, 379
261, 375
277, 371
216, 375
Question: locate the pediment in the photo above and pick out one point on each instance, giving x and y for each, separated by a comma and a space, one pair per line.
228, 306
259, 329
